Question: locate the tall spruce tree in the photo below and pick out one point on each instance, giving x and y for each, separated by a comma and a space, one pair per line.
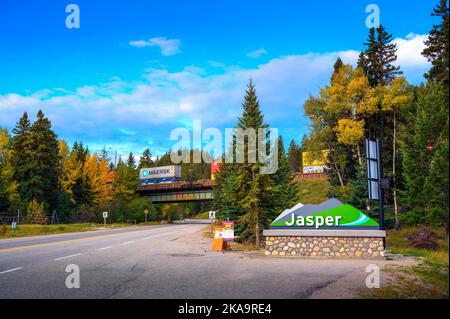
424, 147
81, 188
249, 177
20, 157
242, 192
437, 46
104, 155
294, 156
43, 153
146, 159
378, 59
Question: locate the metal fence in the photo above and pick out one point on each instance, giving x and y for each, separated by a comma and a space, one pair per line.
8, 218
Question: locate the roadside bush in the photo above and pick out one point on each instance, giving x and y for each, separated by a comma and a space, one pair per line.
423, 238
35, 213
3, 230
136, 209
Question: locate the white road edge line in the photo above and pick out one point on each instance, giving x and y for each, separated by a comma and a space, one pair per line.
128, 242
66, 257
11, 270
104, 248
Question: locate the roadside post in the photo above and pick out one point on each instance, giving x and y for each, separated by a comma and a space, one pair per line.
376, 183
212, 217
105, 215
145, 214
14, 225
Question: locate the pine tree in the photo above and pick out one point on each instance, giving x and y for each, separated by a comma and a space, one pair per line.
132, 171
123, 186
425, 194
131, 162
42, 151
437, 46
285, 189
294, 156
20, 157
242, 192
337, 66
146, 159
104, 155
378, 59
81, 190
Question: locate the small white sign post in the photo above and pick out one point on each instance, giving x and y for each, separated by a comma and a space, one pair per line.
146, 213
105, 215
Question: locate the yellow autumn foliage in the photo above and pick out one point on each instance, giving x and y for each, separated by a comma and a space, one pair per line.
349, 131
396, 95
71, 172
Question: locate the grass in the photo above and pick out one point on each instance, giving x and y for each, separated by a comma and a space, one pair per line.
314, 191
38, 230
427, 280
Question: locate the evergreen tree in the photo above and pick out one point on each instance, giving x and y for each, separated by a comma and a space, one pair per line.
133, 176
437, 46
20, 157
378, 59
242, 192
146, 159
359, 191
124, 187
425, 151
81, 190
42, 150
337, 66
104, 155
294, 157
131, 162
286, 190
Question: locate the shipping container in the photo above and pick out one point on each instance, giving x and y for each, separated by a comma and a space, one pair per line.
171, 171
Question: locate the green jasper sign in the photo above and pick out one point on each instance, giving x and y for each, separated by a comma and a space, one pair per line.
329, 214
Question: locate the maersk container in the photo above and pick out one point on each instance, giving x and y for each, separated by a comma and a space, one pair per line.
171, 171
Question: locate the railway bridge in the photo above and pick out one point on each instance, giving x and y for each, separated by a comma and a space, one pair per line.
180, 191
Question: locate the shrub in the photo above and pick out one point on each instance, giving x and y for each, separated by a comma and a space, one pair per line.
35, 212
3, 230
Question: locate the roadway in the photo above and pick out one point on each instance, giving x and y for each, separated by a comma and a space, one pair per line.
166, 261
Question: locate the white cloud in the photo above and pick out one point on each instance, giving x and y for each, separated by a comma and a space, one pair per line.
257, 53
410, 58
410, 49
128, 114
168, 47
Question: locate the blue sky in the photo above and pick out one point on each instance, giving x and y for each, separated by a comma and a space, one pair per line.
137, 69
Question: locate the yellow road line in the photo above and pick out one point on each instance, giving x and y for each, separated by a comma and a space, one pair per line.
66, 241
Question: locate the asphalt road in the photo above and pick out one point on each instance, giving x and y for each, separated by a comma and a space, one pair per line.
167, 261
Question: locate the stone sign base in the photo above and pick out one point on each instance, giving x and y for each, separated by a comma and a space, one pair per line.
324, 243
